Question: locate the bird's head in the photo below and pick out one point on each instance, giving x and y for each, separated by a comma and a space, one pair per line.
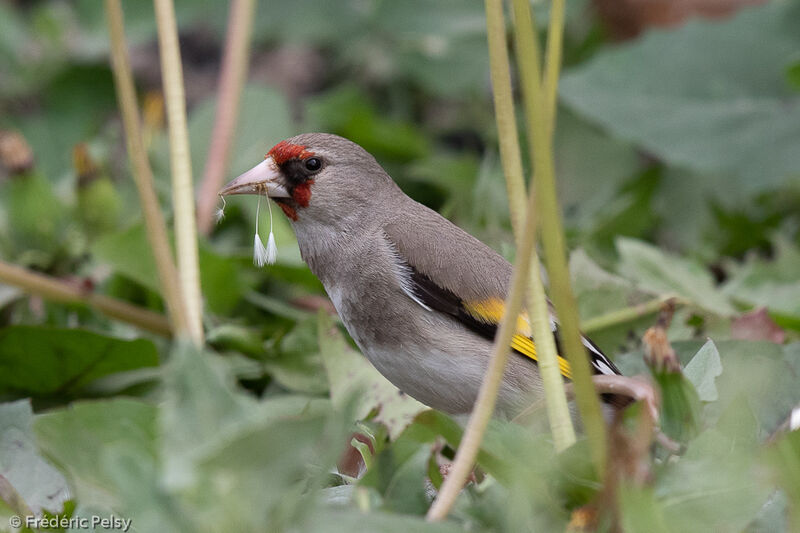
316, 177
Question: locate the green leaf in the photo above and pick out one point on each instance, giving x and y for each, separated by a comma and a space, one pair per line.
349, 374
793, 75
641, 511
79, 438
661, 273
784, 460
129, 253
298, 365
680, 406
441, 45
592, 168
29, 476
600, 292
703, 369
702, 97
75, 103
348, 112
773, 284
202, 409
346, 521
764, 373
713, 487
42, 361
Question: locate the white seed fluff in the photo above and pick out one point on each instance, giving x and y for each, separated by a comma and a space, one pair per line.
269, 254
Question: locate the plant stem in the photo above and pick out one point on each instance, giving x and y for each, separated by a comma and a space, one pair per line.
487, 395
627, 314
541, 146
142, 174
553, 383
56, 290
181, 167
231, 79
555, 38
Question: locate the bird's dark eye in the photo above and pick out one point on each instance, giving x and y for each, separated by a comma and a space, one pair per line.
313, 164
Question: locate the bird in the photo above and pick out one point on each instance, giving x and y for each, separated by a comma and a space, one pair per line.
421, 298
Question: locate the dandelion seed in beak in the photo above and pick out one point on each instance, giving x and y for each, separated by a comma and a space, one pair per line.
269, 254
272, 248
219, 214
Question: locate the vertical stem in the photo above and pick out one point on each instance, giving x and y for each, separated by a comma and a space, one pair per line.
181, 167
541, 145
556, 399
231, 79
487, 396
142, 174
555, 37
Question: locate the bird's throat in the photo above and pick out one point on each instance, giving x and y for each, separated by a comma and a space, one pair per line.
287, 209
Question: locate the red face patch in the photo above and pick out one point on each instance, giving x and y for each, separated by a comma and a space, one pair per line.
285, 151
302, 193
288, 210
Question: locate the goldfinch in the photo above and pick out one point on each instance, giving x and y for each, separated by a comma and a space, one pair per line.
420, 297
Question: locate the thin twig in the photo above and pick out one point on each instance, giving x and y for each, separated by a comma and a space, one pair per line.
142, 174
541, 146
538, 310
181, 167
231, 80
58, 291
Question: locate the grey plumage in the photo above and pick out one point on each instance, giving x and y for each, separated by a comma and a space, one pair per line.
372, 246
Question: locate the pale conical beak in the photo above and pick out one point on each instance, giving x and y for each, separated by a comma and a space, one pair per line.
264, 178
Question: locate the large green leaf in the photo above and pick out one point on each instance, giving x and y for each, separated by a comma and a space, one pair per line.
659, 272
704, 97
711, 488
34, 480
41, 361
599, 293
81, 437
774, 284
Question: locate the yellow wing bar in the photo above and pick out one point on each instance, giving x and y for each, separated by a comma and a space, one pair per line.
491, 312
525, 346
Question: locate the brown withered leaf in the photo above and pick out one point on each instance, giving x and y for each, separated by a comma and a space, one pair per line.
628, 18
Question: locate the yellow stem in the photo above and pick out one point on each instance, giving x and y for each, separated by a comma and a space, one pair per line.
181, 167
142, 174
553, 383
487, 395
555, 37
541, 146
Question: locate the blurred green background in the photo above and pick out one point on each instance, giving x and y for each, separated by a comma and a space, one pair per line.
678, 170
